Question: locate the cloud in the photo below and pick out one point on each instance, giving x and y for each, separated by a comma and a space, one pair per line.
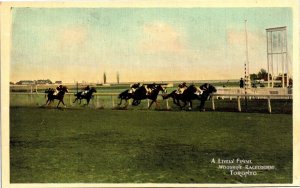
238, 37
72, 36
161, 37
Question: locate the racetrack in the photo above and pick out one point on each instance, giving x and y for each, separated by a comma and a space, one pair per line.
87, 145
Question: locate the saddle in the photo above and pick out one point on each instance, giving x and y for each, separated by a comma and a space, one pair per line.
83, 93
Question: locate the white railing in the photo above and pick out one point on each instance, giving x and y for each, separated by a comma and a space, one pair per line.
238, 97
255, 91
249, 97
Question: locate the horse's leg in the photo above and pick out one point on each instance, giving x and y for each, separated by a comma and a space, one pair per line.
126, 103
184, 104
120, 102
135, 102
62, 101
175, 101
58, 104
88, 101
151, 104
75, 100
201, 107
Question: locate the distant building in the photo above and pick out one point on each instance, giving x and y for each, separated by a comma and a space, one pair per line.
43, 81
58, 82
25, 82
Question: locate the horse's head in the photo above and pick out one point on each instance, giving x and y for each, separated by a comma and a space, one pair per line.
211, 89
161, 88
63, 90
93, 90
208, 88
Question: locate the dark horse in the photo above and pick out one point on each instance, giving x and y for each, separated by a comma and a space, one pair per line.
141, 93
192, 93
88, 96
128, 94
60, 95
186, 97
208, 89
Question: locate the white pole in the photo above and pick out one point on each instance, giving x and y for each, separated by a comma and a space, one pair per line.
213, 102
268, 59
286, 59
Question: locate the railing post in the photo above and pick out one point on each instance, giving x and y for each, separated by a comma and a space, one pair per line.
30, 98
213, 102
168, 104
269, 105
97, 101
70, 102
239, 103
112, 100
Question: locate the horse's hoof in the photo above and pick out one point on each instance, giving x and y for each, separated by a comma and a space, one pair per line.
202, 110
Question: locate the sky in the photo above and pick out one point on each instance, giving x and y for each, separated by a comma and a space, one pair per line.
142, 44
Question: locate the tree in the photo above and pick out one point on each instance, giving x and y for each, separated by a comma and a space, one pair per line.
104, 78
253, 77
118, 77
262, 74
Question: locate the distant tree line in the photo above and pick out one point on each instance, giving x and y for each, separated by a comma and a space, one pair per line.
261, 75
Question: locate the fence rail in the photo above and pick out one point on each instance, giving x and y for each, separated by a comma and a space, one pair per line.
113, 97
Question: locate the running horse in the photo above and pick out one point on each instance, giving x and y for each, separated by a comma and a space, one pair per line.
88, 96
192, 93
60, 95
208, 90
128, 94
142, 93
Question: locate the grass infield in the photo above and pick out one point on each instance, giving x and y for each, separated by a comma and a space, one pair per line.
49, 145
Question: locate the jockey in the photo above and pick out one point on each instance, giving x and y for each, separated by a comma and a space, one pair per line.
198, 91
204, 87
149, 88
86, 90
58, 89
133, 87
181, 88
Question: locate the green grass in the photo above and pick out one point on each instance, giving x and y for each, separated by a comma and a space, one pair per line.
49, 145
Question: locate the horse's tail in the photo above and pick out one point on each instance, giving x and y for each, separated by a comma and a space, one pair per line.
166, 96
